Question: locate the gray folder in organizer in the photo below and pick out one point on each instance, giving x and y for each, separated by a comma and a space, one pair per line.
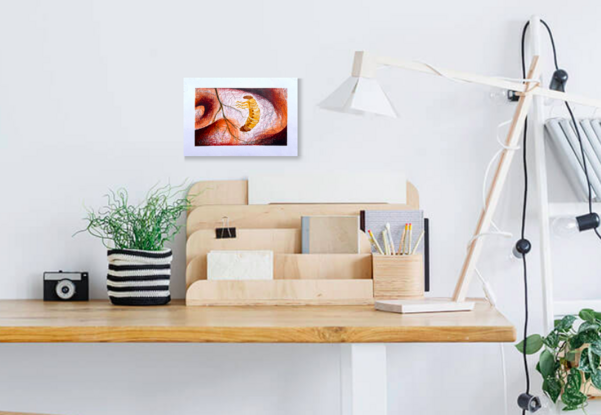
376, 220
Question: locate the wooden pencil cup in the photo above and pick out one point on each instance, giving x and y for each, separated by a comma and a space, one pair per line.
398, 276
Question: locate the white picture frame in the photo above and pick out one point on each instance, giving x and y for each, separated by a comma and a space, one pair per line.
193, 150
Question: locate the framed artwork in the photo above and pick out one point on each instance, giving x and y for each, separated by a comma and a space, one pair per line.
241, 117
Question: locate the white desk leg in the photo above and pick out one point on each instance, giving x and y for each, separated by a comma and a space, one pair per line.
363, 379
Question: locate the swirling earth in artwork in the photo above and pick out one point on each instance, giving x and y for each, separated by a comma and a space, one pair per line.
234, 117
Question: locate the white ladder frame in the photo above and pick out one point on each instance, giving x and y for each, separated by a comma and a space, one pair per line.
536, 120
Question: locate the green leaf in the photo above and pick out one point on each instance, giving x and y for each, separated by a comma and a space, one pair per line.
596, 347
565, 323
573, 399
586, 326
587, 315
534, 343
574, 381
596, 378
585, 337
552, 387
552, 340
589, 336
547, 364
588, 361
576, 342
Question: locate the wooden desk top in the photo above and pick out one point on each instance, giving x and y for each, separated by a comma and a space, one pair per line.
33, 321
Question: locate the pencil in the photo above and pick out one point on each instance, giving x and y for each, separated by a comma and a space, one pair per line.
401, 250
375, 242
386, 242
409, 238
390, 238
419, 240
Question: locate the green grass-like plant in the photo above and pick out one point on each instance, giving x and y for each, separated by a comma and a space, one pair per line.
147, 226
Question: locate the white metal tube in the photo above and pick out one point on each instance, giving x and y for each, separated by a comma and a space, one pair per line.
536, 121
366, 64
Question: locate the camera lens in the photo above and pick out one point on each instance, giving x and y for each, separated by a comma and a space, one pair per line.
65, 289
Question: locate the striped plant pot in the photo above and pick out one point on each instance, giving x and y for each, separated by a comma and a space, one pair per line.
138, 277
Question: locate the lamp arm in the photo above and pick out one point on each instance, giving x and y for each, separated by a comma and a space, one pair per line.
366, 65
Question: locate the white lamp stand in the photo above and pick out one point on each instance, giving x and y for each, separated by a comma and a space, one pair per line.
362, 93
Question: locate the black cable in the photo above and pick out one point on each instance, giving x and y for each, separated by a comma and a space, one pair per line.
523, 227
584, 166
525, 203
525, 197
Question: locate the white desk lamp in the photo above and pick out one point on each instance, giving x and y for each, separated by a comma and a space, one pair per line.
362, 93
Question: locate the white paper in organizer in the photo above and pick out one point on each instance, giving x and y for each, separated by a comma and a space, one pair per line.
240, 265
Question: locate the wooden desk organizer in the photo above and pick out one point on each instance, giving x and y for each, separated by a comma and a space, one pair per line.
398, 276
299, 279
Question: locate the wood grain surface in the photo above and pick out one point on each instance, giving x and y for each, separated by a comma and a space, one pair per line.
398, 276
273, 216
284, 241
302, 266
35, 321
218, 192
281, 292
322, 266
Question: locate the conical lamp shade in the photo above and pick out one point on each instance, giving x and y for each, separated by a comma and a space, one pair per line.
359, 95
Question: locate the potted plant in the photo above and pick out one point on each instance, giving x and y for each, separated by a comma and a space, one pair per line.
139, 268
570, 361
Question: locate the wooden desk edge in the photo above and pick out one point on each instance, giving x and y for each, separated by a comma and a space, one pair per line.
154, 334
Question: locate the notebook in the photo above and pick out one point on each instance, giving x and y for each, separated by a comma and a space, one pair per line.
564, 143
330, 234
376, 220
240, 265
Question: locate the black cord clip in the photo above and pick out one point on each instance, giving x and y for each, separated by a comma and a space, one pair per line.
521, 248
529, 403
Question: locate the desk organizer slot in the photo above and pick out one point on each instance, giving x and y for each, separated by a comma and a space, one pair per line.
280, 241
273, 216
302, 267
322, 266
280, 292
286, 241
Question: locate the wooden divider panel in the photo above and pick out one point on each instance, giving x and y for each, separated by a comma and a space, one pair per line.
272, 216
280, 241
322, 266
301, 266
283, 241
280, 292
235, 192
218, 192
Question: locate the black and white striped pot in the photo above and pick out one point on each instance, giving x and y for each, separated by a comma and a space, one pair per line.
138, 277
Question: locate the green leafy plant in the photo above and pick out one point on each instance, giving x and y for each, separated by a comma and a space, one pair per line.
570, 358
146, 226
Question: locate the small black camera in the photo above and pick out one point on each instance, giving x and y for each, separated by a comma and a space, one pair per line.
66, 286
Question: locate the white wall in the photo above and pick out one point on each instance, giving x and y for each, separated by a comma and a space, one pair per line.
90, 99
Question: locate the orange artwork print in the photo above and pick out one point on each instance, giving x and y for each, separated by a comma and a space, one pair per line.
241, 117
